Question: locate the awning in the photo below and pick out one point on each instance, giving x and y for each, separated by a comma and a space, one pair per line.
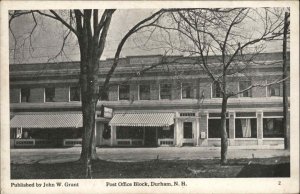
47, 120
143, 119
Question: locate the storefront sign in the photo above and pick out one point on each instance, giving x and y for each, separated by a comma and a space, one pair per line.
106, 112
202, 135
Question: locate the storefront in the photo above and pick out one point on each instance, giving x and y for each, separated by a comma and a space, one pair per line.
46, 130
142, 129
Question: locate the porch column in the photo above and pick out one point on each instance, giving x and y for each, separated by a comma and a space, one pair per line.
178, 130
113, 136
197, 128
203, 141
259, 115
231, 128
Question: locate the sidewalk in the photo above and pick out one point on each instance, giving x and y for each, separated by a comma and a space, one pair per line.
29, 156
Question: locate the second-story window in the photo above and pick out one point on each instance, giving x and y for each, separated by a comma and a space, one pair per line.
49, 94
25, 94
244, 85
124, 92
187, 90
274, 90
75, 93
105, 96
165, 91
144, 92
216, 90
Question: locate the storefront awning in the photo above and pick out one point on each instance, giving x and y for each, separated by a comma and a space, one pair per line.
47, 120
143, 119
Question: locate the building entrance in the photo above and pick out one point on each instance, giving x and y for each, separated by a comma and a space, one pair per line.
150, 136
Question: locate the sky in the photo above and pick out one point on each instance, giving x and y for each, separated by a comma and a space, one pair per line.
48, 36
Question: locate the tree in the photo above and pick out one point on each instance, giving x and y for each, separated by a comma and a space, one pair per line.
90, 27
237, 35
284, 76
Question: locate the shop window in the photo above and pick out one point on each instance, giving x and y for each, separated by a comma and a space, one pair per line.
166, 132
245, 128
187, 130
216, 90
165, 91
187, 91
214, 128
74, 93
144, 92
49, 94
13, 132
25, 94
124, 92
274, 90
272, 128
130, 132
244, 85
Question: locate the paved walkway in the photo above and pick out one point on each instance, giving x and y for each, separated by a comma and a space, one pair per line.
29, 156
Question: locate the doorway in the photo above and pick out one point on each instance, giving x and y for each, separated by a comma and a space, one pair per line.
150, 136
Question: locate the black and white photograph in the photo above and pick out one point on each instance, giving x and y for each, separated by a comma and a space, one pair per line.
165, 98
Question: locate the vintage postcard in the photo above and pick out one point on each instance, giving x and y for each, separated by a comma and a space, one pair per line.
150, 97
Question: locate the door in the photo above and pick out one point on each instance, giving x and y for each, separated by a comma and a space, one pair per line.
150, 136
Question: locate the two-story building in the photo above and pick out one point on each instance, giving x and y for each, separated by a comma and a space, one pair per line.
171, 104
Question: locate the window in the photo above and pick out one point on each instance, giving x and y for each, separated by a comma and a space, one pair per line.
214, 130
130, 133
216, 90
74, 93
187, 91
274, 90
124, 92
272, 127
243, 85
166, 132
165, 91
25, 94
187, 130
187, 114
144, 92
105, 95
49, 94
245, 128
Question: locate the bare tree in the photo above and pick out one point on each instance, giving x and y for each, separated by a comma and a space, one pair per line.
90, 28
236, 36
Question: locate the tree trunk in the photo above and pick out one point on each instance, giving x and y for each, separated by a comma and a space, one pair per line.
88, 110
284, 76
88, 82
224, 139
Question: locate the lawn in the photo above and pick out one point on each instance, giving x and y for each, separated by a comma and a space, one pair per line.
265, 167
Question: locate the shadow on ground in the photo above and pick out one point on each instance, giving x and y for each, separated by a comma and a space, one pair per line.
266, 167
260, 170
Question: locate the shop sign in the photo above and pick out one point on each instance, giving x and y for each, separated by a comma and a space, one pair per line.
106, 112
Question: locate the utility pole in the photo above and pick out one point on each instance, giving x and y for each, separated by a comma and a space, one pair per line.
286, 125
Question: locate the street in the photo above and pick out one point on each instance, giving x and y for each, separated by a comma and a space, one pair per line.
60, 155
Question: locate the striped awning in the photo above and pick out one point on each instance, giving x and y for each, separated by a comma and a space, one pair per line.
143, 119
47, 120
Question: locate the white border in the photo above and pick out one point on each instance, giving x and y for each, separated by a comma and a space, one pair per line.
253, 185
